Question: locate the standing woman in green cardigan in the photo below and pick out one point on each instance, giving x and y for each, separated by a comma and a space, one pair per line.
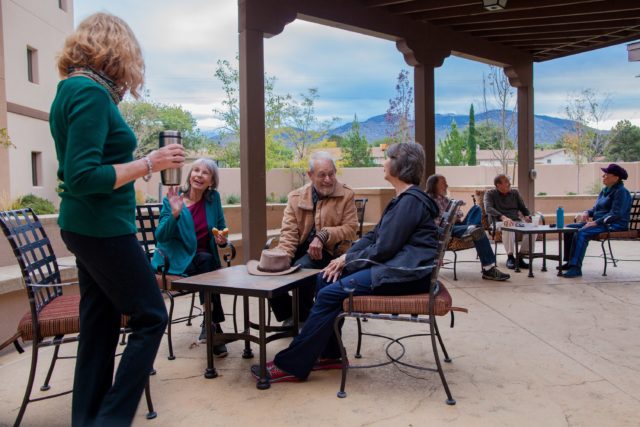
184, 233
100, 62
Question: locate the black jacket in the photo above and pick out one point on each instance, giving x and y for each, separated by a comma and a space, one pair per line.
406, 236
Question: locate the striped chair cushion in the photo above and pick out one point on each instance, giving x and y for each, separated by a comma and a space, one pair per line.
170, 279
627, 234
456, 244
402, 304
59, 317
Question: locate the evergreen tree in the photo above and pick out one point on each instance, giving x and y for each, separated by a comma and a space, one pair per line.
625, 143
355, 148
471, 139
451, 150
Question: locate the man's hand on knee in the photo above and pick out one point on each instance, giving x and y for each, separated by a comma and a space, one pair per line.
315, 249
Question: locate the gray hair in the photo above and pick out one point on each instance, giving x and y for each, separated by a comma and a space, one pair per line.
407, 162
215, 178
321, 155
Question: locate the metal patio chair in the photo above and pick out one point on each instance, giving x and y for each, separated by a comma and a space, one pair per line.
420, 308
53, 318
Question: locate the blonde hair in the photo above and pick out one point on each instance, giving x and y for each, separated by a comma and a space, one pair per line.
106, 44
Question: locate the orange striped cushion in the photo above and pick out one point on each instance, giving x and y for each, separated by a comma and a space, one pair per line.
59, 317
170, 279
456, 244
401, 304
627, 234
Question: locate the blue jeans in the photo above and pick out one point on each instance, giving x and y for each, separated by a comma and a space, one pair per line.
483, 246
576, 248
115, 279
317, 338
474, 216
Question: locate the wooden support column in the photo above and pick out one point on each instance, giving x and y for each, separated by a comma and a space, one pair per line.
521, 77
5, 169
253, 191
424, 58
425, 115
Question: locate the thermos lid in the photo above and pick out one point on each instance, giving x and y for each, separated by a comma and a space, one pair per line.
170, 133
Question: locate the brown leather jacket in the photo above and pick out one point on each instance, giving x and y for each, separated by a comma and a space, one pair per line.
336, 214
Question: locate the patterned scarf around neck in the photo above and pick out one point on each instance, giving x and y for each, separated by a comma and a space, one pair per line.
99, 78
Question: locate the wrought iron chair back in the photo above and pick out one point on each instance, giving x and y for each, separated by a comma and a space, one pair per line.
52, 315
436, 302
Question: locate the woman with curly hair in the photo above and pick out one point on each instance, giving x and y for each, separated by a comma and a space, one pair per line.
100, 62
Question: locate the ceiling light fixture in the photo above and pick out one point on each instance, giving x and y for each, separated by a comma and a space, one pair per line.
494, 5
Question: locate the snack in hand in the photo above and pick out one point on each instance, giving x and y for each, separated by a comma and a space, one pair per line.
217, 232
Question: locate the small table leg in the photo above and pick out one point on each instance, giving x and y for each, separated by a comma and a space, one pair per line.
560, 236
295, 309
210, 372
530, 255
517, 269
247, 353
544, 252
263, 382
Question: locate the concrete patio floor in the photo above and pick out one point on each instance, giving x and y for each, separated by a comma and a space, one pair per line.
531, 352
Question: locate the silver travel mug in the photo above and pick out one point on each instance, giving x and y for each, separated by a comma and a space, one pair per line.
170, 176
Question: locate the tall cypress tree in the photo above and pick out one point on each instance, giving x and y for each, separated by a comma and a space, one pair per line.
471, 139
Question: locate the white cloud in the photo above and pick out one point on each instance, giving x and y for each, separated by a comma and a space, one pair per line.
355, 74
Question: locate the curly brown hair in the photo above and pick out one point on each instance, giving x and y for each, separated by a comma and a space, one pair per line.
106, 44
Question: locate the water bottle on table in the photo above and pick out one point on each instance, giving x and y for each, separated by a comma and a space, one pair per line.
560, 217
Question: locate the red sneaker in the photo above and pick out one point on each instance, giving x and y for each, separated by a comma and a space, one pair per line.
325, 364
274, 374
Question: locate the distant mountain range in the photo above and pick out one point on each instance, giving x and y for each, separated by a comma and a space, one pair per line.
547, 129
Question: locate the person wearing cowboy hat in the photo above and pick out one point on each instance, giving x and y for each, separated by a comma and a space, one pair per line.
611, 211
318, 216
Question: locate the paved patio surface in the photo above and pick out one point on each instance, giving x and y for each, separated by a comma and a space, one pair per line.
545, 351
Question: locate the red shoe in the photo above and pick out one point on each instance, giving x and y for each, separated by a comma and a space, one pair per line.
274, 374
325, 364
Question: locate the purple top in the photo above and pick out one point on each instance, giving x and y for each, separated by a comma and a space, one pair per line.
202, 228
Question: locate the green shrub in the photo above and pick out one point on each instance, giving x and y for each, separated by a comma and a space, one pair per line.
570, 193
232, 199
39, 205
271, 198
284, 199
542, 193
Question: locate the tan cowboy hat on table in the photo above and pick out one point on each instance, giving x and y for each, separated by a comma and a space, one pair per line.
273, 262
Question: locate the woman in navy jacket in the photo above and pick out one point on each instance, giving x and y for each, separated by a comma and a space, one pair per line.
184, 232
612, 209
406, 236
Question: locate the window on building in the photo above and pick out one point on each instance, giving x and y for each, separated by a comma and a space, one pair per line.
32, 64
548, 160
36, 168
62, 4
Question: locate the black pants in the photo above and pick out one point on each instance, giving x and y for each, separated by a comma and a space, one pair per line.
281, 305
204, 262
115, 279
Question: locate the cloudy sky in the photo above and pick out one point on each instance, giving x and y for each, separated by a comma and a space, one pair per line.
354, 74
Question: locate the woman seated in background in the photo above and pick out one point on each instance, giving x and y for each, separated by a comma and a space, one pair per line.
184, 233
469, 227
406, 236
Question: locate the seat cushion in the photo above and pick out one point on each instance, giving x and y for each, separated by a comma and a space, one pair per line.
627, 234
170, 278
401, 304
456, 244
60, 317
